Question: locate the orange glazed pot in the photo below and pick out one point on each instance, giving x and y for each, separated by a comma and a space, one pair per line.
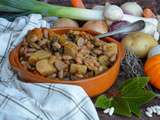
93, 86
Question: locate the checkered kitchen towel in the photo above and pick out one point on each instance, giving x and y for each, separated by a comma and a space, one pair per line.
24, 101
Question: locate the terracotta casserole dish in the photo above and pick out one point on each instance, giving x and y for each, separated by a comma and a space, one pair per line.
93, 85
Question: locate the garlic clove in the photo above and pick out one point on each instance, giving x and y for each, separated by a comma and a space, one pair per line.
132, 8
113, 12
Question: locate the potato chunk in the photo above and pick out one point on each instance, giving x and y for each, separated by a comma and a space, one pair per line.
70, 49
45, 68
39, 55
103, 60
110, 49
100, 69
80, 69
52, 59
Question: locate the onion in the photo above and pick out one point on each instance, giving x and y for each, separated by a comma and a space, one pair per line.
132, 8
65, 22
117, 25
98, 26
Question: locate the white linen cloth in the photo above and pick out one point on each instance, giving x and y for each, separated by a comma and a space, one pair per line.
26, 101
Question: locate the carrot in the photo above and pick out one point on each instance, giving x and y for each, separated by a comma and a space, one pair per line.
77, 3
147, 13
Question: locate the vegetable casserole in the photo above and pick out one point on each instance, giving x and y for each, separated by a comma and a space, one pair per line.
70, 56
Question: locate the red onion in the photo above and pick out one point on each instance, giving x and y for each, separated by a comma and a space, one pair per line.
117, 25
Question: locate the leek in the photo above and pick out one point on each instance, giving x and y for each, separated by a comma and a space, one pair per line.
45, 9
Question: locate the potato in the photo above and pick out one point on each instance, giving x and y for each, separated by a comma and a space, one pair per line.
39, 55
100, 69
70, 49
52, 59
80, 69
45, 68
110, 49
139, 43
103, 60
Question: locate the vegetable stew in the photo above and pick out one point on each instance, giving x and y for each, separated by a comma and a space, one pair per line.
70, 56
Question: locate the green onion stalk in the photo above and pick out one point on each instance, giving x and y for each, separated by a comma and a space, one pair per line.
34, 6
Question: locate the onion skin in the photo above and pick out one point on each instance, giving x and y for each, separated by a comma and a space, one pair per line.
65, 22
98, 26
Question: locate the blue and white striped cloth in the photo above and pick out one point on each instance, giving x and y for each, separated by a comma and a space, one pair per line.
26, 101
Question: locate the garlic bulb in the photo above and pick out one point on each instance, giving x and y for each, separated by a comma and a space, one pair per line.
154, 51
113, 12
149, 28
156, 36
132, 8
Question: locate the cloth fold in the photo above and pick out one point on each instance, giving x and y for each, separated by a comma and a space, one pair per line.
27, 101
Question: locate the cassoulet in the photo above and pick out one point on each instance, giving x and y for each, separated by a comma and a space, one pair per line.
70, 56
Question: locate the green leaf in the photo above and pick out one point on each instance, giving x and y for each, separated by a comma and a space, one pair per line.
141, 97
121, 107
103, 102
134, 83
135, 109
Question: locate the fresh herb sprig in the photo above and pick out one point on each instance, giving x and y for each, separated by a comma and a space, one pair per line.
131, 95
